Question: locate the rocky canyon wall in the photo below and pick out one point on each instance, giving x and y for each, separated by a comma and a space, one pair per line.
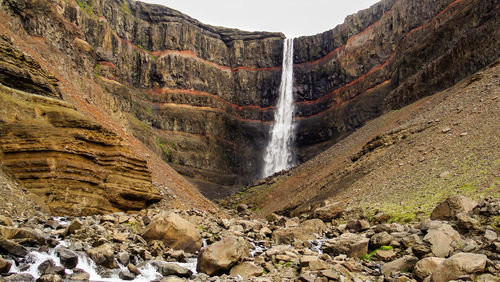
384, 58
203, 97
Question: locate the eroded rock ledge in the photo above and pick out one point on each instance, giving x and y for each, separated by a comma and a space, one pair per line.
74, 164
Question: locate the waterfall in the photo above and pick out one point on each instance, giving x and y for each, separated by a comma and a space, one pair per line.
278, 155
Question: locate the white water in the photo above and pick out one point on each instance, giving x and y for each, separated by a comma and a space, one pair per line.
148, 271
278, 154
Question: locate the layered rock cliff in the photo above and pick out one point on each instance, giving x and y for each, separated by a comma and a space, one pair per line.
203, 97
72, 163
384, 58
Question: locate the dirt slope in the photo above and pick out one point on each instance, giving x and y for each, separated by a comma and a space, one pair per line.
405, 161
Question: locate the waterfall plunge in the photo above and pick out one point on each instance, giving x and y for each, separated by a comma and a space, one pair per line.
278, 155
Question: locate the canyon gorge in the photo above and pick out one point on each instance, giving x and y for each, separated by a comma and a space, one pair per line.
202, 98
137, 143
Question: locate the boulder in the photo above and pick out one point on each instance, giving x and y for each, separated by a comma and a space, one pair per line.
425, 267
103, 255
490, 235
329, 212
380, 239
132, 268
385, 255
222, 255
306, 260
168, 269
317, 265
75, 225
174, 231
69, 259
123, 257
22, 235
49, 267
452, 206
13, 248
247, 269
242, 208
4, 266
358, 225
411, 240
406, 263
353, 245
443, 239
305, 231
79, 275
459, 265
50, 278
126, 275
466, 223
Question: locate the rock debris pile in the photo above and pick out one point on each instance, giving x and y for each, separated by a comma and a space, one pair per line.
458, 242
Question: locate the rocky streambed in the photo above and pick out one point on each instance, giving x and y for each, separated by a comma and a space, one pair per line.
458, 242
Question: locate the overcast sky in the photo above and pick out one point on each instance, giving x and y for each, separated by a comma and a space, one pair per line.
292, 17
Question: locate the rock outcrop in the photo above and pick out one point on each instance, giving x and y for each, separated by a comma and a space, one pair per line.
74, 164
202, 97
384, 58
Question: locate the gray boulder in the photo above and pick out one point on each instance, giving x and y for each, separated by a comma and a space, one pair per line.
459, 265
443, 239
452, 206
222, 255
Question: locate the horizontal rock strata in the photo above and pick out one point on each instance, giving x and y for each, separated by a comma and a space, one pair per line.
75, 165
205, 95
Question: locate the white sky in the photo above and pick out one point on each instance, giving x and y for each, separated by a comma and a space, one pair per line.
292, 17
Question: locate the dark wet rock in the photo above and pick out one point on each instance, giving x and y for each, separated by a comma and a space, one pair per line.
13, 248
49, 267
69, 259
132, 268
4, 266
103, 255
126, 275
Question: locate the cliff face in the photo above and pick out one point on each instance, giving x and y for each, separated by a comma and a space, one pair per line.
72, 163
202, 97
384, 58
196, 94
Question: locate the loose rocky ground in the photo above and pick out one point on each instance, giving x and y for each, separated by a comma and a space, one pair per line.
459, 242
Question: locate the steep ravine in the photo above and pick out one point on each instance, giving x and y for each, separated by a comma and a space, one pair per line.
202, 97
